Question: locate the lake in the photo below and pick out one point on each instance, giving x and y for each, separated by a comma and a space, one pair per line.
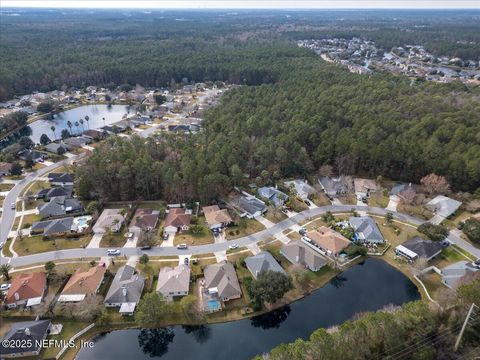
96, 113
368, 286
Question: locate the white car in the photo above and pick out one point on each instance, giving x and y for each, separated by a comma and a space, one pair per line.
304, 238
182, 246
130, 235
113, 252
233, 246
5, 287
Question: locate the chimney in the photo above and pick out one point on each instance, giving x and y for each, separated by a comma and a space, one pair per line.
124, 291
27, 331
17, 296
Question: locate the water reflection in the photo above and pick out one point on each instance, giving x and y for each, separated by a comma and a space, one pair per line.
201, 333
154, 342
338, 281
273, 319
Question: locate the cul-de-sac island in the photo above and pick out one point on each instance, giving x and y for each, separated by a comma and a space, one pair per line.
221, 184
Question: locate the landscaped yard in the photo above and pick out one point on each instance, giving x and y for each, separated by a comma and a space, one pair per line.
275, 216
35, 187
28, 220
6, 187
35, 244
245, 227
320, 199
189, 238
114, 239
378, 199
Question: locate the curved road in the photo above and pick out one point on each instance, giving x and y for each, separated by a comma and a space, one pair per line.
209, 248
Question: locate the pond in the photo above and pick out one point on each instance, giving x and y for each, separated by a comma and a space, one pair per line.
368, 286
96, 113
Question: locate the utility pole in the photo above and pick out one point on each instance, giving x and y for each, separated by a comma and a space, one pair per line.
469, 314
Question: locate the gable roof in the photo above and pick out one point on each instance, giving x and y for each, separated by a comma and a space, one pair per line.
145, 218
328, 239
84, 282
263, 261
299, 253
177, 217
366, 229
5, 167
215, 215
272, 194
126, 286
109, 218
365, 185
27, 333
250, 205
452, 274
59, 205
443, 205
27, 286
54, 226
174, 280
223, 277
335, 185
61, 177
302, 189
423, 248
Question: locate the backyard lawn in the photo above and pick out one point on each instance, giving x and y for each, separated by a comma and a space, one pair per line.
35, 244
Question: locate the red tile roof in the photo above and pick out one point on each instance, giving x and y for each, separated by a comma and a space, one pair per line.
177, 217
28, 286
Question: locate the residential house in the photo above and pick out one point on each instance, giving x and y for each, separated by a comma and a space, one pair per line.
26, 290
452, 275
59, 206
251, 207
110, 219
173, 282
47, 194
216, 218
125, 290
177, 220
365, 187
221, 280
94, 135
28, 337
328, 240
263, 261
144, 219
61, 179
443, 207
34, 154
399, 189
336, 186
273, 195
55, 147
82, 284
416, 248
5, 168
52, 228
366, 231
301, 188
77, 141
299, 253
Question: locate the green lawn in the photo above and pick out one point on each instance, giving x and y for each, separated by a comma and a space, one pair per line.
35, 244
113, 239
35, 187
246, 227
6, 187
205, 237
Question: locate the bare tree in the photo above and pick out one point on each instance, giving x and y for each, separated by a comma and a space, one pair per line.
435, 184
325, 170
407, 197
419, 265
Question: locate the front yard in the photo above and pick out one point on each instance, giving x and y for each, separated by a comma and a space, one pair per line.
243, 227
28, 245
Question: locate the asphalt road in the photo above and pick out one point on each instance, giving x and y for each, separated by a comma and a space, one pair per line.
209, 248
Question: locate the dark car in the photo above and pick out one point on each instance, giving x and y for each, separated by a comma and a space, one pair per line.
307, 202
146, 247
186, 261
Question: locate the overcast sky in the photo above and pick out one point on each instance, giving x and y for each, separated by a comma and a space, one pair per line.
247, 4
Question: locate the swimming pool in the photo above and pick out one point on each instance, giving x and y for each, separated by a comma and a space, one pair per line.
82, 222
214, 305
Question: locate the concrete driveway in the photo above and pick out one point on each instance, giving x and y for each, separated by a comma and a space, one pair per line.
393, 202
265, 222
95, 242
169, 242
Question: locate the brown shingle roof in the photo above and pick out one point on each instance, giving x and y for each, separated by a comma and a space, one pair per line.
84, 282
27, 286
329, 239
177, 217
214, 215
145, 218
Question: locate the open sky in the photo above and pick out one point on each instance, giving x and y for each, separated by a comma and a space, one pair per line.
249, 4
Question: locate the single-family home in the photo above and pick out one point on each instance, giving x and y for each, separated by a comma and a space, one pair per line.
328, 240
5, 168
221, 280
174, 282
177, 220
61, 179
263, 261
216, 218
144, 219
55, 147
54, 227
336, 186
416, 248
77, 142
59, 206
301, 188
250, 207
27, 337
299, 253
443, 207
125, 290
34, 154
94, 134
273, 195
454, 273
47, 194
82, 283
109, 219
26, 290
399, 188
366, 231
365, 187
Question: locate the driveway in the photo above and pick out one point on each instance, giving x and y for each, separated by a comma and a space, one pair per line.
436, 219
392, 203
169, 242
335, 201
132, 242
95, 242
220, 255
265, 222
455, 237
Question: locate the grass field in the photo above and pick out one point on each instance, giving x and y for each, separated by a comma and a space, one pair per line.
250, 226
35, 244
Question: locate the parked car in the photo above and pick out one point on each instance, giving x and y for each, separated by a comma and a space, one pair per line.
182, 246
130, 235
304, 238
146, 247
186, 261
302, 231
307, 202
13, 206
233, 246
166, 236
5, 287
113, 252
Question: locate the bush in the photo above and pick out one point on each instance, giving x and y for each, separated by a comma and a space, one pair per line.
433, 232
471, 228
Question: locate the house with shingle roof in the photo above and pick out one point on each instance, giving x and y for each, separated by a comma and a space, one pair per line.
5, 168
366, 231
328, 240
275, 196
221, 279
174, 282
109, 219
26, 290
125, 290
53, 147
336, 186
28, 335
177, 220
418, 247
49, 193
250, 206
299, 253
59, 206
144, 219
216, 218
55, 227
301, 188
60, 179
453, 274
82, 283
263, 261
443, 207
365, 187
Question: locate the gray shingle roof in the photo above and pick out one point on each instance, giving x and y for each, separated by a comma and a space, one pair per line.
423, 248
223, 277
302, 189
126, 287
443, 205
263, 261
250, 205
173, 280
273, 195
366, 229
299, 253
53, 226
452, 274
61, 177
35, 331
59, 205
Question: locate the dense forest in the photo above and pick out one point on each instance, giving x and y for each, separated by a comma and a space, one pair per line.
44, 50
